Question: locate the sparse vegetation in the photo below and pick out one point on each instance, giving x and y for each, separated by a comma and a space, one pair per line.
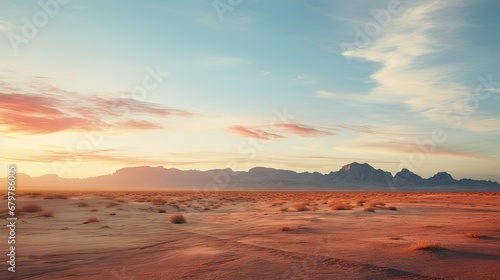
177, 219
283, 209
82, 204
370, 209
91, 220
301, 207
392, 208
31, 208
47, 213
473, 234
158, 201
56, 196
341, 206
426, 245
162, 210
285, 229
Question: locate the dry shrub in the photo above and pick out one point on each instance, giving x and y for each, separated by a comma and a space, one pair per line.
82, 204
283, 209
285, 229
177, 219
392, 208
47, 213
426, 245
111, 204
93, 210
341, 206
31, 208
377, 204
370, 209
361, 202
91, 220
56, 196
473, 234
301, 207
159, 201
162, 210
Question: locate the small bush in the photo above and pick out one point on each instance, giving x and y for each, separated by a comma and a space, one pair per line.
159, 201
473, 235
93, 210
56, 196
177, 219
301, 207
341, 206
82, 204
426, 245
283, 209
31, 208
47, 213
111, 204
392, 208
91, 220
370, 209
162, 210
285, 229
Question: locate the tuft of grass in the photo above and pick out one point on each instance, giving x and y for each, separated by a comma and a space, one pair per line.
301, 207
285, 229
31, 208
91, 220
47, 213
177, 219
56, 196
473, 234
392, 208
341, 206
159, 201
82, 204
370, 209
162, 210
426, 245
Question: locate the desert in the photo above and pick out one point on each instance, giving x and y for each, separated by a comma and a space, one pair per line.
257, 235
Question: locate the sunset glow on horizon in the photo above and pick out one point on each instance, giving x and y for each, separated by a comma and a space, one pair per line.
89, 87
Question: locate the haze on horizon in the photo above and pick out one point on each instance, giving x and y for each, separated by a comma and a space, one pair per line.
297, 85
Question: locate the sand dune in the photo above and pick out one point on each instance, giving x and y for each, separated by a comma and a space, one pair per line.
249, 235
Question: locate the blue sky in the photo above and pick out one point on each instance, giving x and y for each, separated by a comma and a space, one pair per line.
301, 85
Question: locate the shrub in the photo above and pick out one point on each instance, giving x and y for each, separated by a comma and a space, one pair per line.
91, 220
392, 208
159, 201
47, 213
377, 204
82, 204
473, 235
341, 206
283, 209
301, 207
31, 208
162, 210
285, 229
56, 196
177, 219
426, 245
370, 209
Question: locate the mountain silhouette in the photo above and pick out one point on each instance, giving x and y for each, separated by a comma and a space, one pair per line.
353, 176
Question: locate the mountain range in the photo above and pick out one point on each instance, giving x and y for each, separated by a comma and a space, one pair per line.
353, 176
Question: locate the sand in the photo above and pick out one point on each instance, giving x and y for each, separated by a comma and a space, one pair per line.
246, 235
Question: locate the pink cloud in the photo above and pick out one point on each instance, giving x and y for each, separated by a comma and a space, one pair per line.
245, 132
303, 130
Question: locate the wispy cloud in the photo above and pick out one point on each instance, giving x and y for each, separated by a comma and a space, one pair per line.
246, 132
39, 108
406, 76
304, 79
303, 130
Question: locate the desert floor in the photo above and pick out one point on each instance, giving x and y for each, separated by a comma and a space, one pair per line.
255, 235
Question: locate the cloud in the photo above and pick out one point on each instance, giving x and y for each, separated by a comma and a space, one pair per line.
398, 147
406, 73
39, 108
225, 61
304, 79
246, 132
325, 94
303, 130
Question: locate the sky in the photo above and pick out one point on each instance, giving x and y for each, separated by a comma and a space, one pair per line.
89, 87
